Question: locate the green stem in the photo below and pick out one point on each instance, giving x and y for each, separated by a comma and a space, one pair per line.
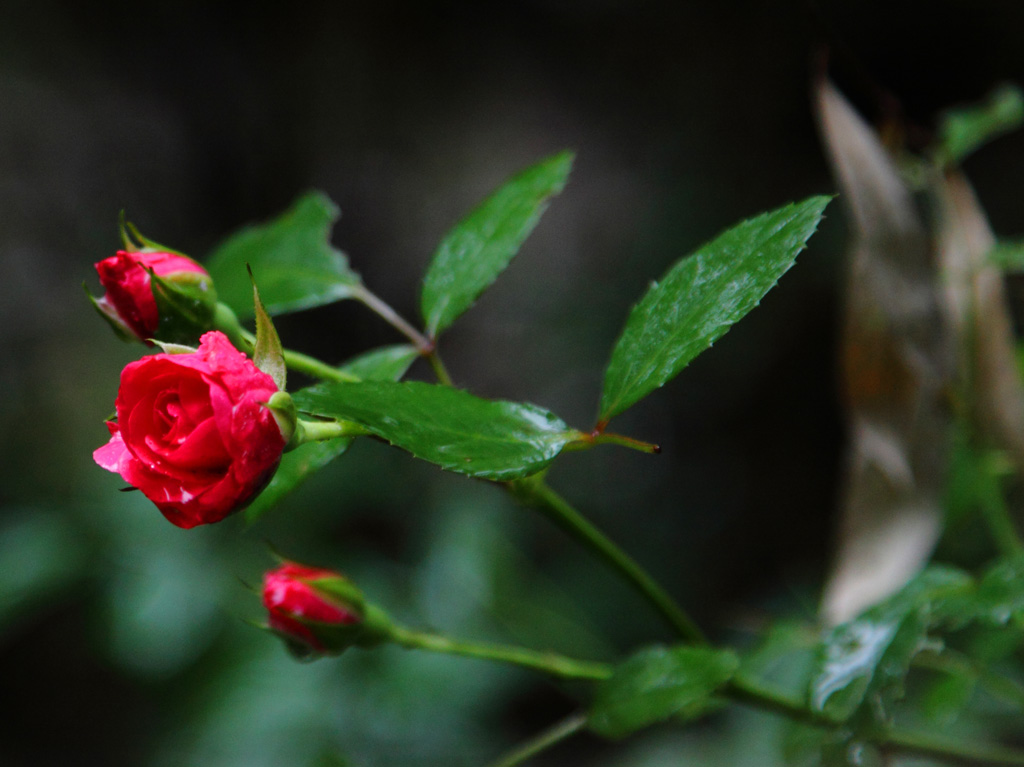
318, 431
584, 441
438, 367
995, 511
549, 663
921, 744
370, 299
550, 737
948, 750
746, 691
954, 663
311, 366
534, 491
622, 441
425, 346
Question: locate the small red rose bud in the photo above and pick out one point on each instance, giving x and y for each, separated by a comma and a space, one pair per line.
154, 294
317, 611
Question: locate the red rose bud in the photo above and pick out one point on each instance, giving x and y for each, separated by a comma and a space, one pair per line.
193, 432
317, 612
152, 294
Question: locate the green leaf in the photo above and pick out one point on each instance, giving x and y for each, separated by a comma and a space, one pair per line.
964, 130
869, 657
947, 698
480, 246
701, 297
293, 256
389, 363
658, 683
491, 439
296, 467
999, 600
268, 355
385, 364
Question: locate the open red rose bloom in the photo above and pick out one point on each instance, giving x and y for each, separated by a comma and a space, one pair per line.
192, 432
129, 294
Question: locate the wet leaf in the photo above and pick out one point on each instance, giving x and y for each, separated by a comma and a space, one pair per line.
491, 439
478, 249
867, 659
297, 266
701, 297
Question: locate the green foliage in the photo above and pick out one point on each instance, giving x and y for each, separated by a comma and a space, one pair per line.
296, 467
999, 600
298, 268
388, 363
964, 130
866, 660
385, 364
701, 297
268, 355
480, 438
477, 250
1008, 255
658, 683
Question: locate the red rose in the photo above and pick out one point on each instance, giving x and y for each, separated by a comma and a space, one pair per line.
129, 301
305, 604
192, 432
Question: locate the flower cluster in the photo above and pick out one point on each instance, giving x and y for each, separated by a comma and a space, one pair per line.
193, 432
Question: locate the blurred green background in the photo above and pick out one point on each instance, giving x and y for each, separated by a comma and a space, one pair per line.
123, 640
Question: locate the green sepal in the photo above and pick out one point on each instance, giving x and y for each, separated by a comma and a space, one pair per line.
136, 242
269, 353
185, 302
373, 627
283, 409
334, 638
342, 591
169, 348
111, 317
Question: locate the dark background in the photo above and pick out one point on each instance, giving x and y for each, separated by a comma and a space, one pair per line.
121, 638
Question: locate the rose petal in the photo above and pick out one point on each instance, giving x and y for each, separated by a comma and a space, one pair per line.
111, 455
203, 450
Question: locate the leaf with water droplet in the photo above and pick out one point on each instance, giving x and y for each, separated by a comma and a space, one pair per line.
701, 297
491, 439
